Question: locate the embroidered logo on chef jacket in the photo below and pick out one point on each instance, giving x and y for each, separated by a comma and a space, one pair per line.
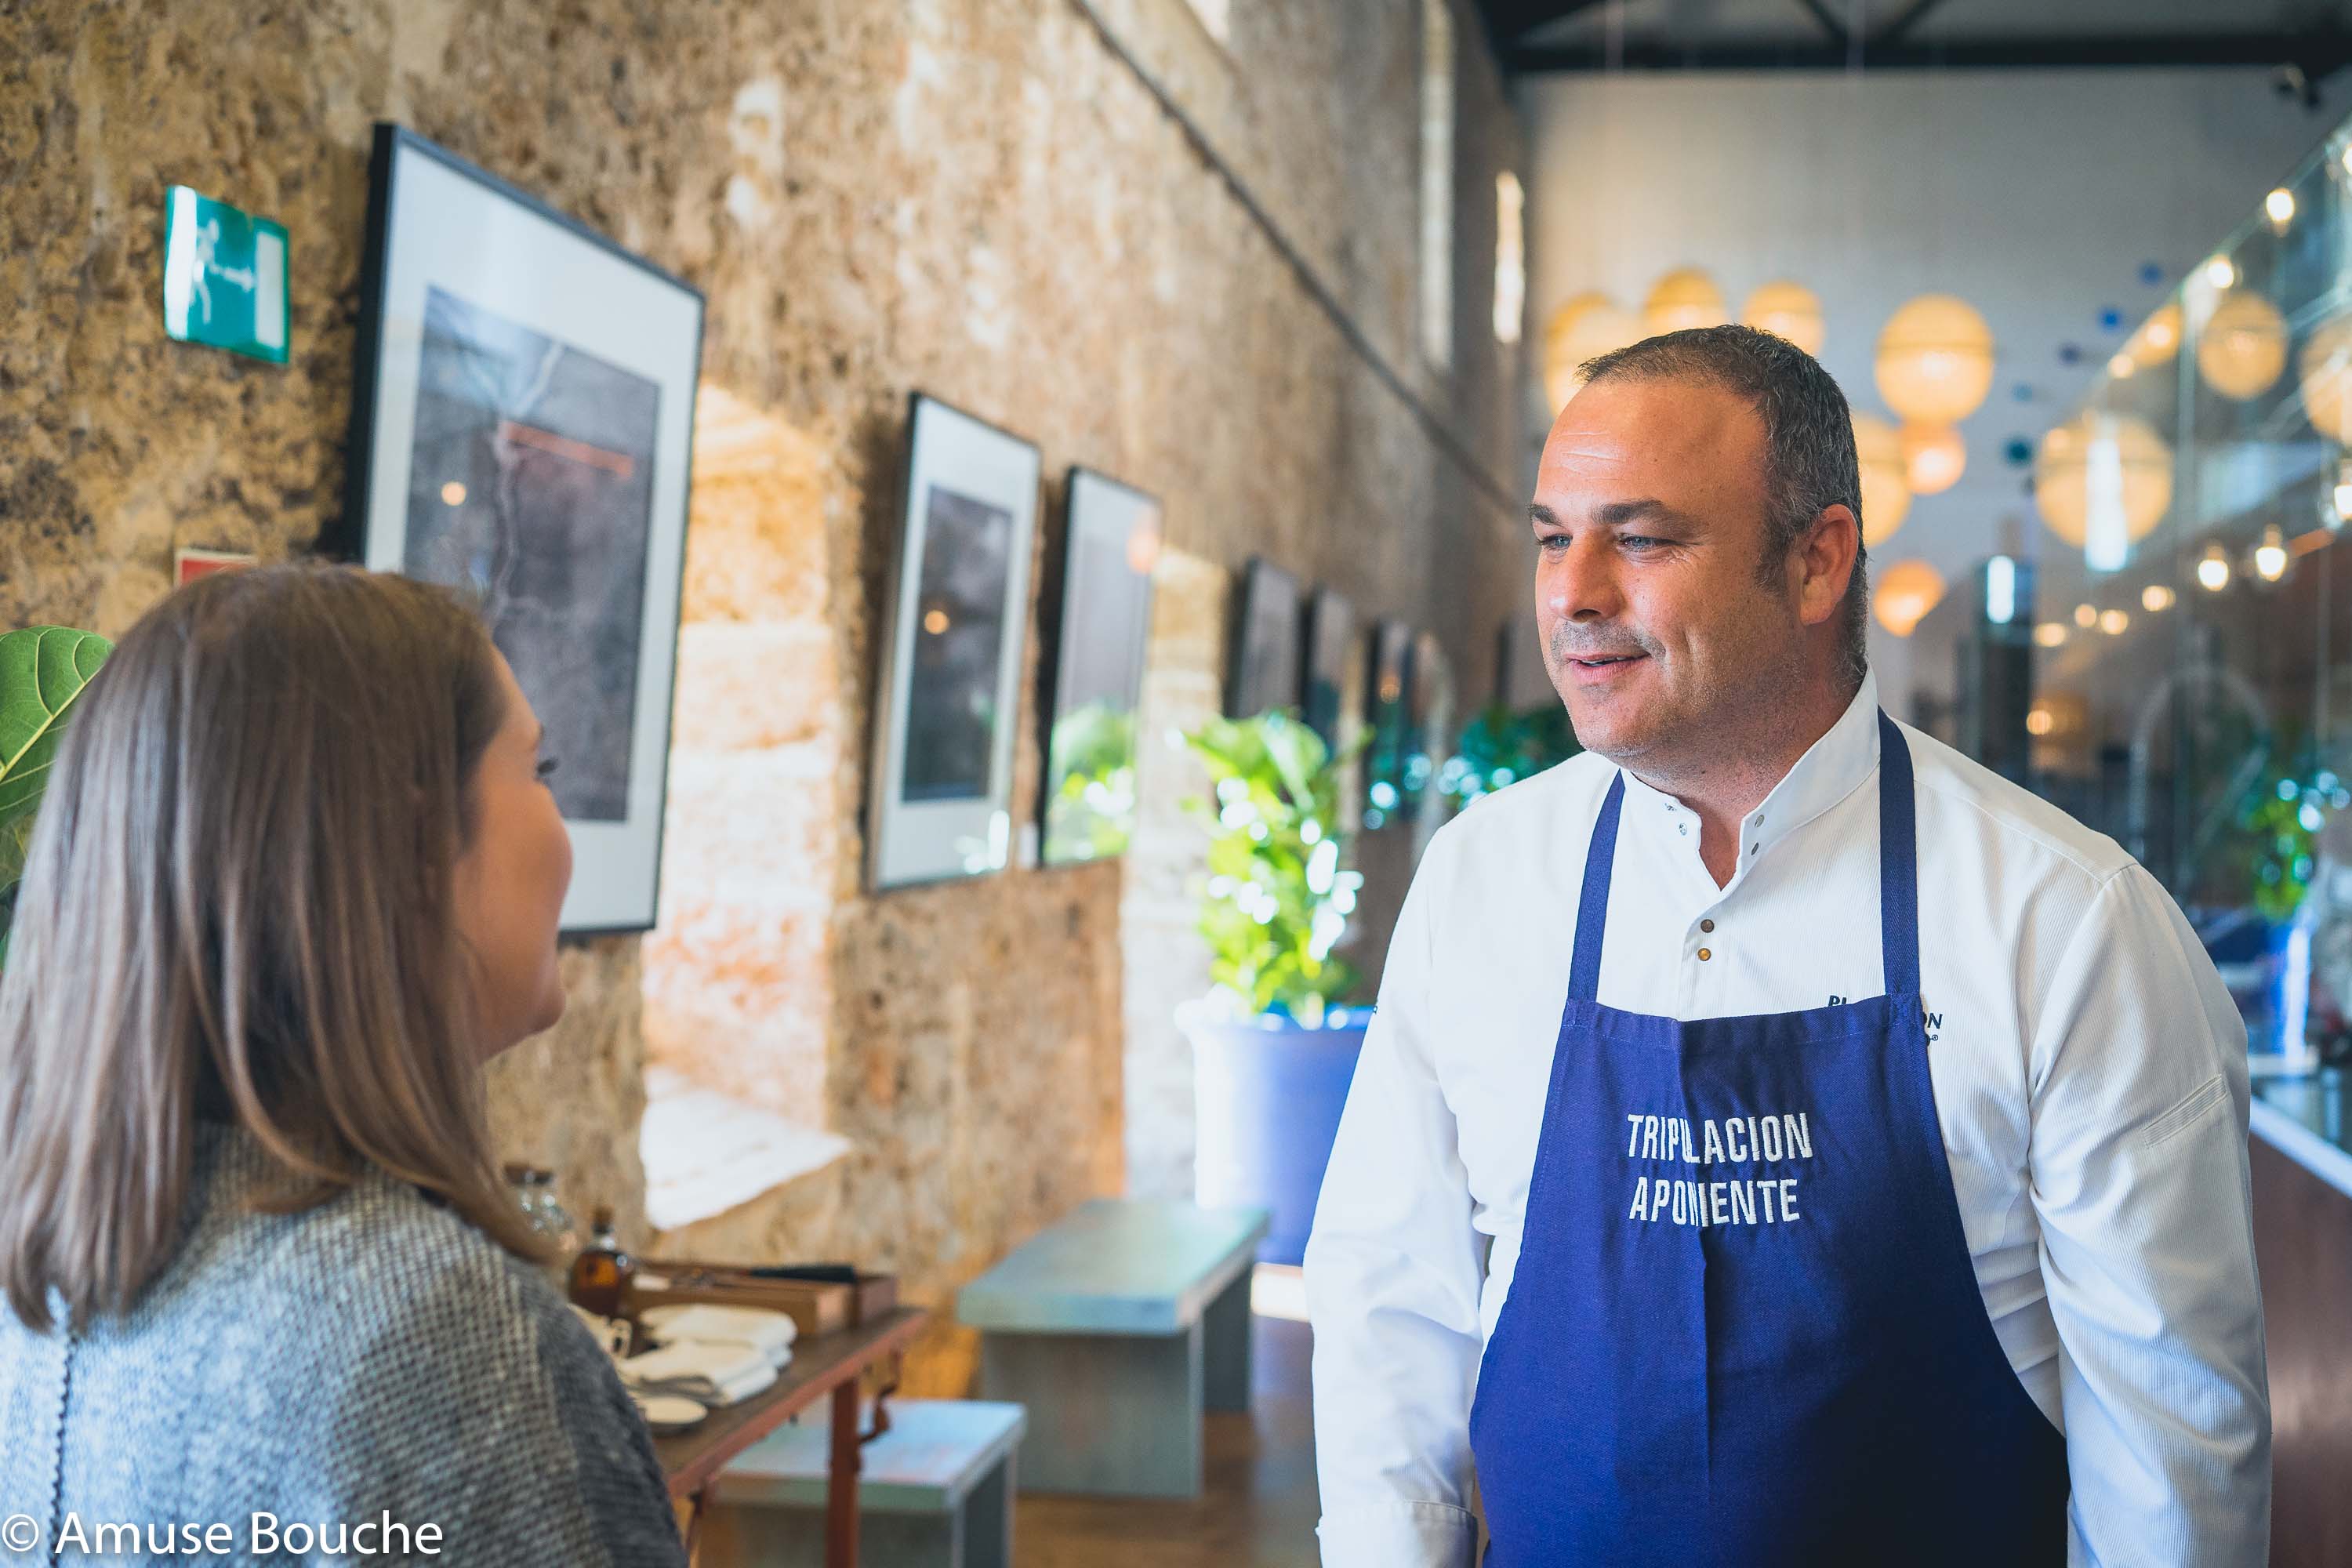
1935, 1020
1768, 1146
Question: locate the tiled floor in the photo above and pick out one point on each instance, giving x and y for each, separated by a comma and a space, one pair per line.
1258, 1508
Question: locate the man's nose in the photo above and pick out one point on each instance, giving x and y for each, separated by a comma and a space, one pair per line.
1580, 581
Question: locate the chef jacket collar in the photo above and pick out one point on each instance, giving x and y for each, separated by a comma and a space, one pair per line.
1832, 767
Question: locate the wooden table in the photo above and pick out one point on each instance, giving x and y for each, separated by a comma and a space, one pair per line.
825, 1364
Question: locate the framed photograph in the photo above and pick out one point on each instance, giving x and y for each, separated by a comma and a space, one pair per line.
1330, 638
1389, 705
1429, 720
1521, 682
521, 426
1097, 682
1263, 672
949, 686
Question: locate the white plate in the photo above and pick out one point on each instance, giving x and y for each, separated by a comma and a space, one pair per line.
670, 1412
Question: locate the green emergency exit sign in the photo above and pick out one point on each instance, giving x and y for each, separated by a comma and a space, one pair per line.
224, 277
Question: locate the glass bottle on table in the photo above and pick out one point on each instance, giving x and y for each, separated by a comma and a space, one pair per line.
601, 1274
557, 1226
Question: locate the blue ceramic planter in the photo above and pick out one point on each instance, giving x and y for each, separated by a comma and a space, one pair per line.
1268, 1093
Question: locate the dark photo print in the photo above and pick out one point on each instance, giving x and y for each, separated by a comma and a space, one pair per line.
959, 635
531, 487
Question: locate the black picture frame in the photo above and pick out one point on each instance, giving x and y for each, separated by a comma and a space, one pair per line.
1521, 681
1330, 643
1389, 709
1096, 610
951, 638
523, 428
1263, 666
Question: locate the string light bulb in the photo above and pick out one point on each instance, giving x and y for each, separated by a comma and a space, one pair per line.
2112, 622
2279, 205
2270, 556
2051, 634
2214, 570
1933, 457
2156, 597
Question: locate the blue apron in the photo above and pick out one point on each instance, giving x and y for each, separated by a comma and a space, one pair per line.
1744, 1328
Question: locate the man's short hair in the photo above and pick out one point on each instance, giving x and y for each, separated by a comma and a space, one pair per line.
1809, 457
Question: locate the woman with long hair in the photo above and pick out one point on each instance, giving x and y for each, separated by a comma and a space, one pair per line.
297, 875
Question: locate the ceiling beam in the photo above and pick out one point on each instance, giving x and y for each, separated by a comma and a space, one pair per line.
2319, 54
1892, 32
1829, 24
1509, 21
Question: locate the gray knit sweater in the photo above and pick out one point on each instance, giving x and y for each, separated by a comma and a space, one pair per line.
375, 1356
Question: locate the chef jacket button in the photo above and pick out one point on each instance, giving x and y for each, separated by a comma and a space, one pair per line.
1707, 925
1704, 955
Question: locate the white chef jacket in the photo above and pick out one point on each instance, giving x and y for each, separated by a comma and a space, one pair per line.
2090, 1078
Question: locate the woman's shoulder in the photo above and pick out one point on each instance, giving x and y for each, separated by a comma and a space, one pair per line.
379, 1270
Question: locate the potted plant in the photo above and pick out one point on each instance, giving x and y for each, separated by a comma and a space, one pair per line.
1500, 746
1273, 1055
2262, 945
43, 673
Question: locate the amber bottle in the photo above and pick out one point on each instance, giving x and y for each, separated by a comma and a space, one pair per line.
601, 1274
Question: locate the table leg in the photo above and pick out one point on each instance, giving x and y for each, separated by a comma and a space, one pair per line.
1225, 1347
841, 1485
690, 1512
1115, 1414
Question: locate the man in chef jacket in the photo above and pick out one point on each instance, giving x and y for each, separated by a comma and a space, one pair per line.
1781, 1140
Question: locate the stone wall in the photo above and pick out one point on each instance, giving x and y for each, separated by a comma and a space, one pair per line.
975, 199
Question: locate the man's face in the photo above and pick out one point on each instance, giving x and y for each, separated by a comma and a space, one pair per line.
1649, 519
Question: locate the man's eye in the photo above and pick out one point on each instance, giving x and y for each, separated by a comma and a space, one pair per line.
1551, 541
1639, 541
547, 766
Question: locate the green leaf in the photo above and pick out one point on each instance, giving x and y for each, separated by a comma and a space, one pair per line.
16, 838
43, 673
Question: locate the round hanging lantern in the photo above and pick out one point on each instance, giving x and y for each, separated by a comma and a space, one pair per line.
1885, 500
2158, 338
2242, 349
1934, 360
2325, 369
1564, 320
1933, 458
1686, 296
2076, 467
1587, 325
1906, 591
1787, 309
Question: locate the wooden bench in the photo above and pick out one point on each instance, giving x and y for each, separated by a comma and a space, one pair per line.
934, 1492
1116, 1329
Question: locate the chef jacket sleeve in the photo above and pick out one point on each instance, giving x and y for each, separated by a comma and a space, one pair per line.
1394, 1271
2137, 1073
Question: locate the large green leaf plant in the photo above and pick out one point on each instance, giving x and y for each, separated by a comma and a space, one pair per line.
44, 670
1276, 901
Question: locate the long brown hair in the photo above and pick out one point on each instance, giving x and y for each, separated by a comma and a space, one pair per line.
237, 908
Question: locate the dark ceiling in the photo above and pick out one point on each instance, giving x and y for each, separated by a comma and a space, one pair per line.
2307, 40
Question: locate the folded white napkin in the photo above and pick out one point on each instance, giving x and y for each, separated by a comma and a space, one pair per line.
703, 1371
769, 1332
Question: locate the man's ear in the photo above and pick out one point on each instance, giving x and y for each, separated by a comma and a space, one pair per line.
1822, 562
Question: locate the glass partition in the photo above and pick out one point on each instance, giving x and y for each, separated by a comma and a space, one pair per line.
2190, 644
